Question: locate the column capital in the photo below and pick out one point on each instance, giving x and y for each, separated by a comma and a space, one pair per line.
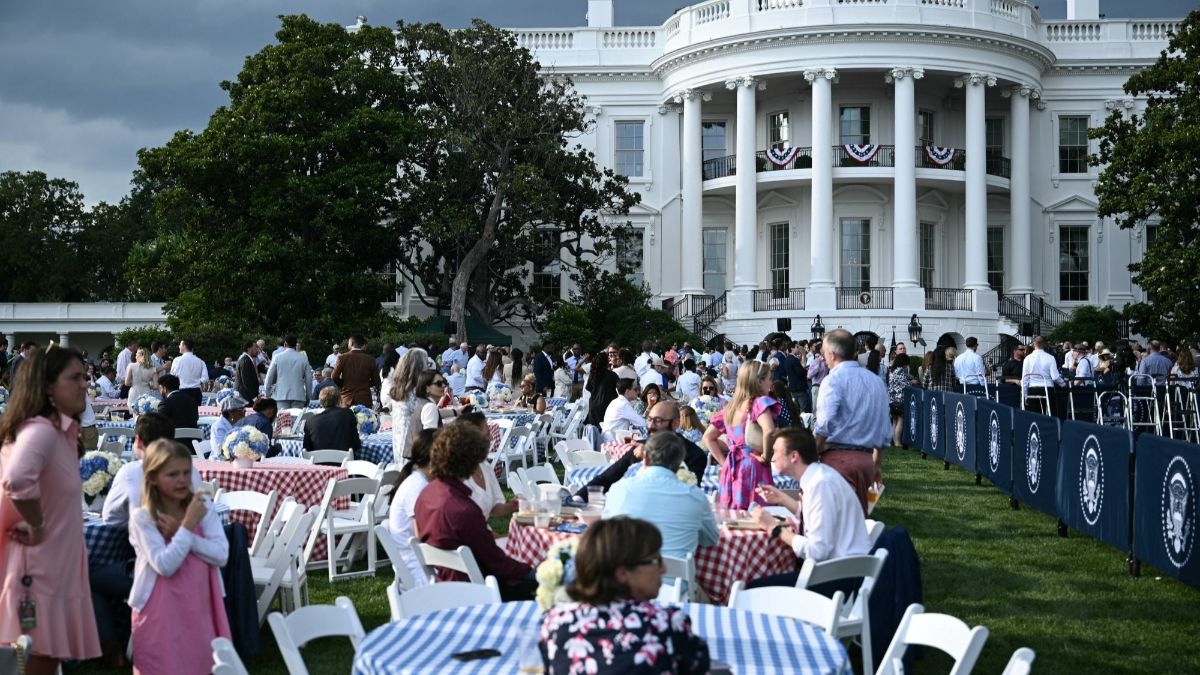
1122, 103
667, 108
1022, 90
975, 79
593, 110
812, 74
748, 81
901, 72
690, 95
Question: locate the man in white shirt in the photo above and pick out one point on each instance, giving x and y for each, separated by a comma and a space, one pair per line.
643, 362
190, 370
124, 359
619, 414
619, 365
833, 523
688, 383
1039, 368
968, 366
475, 369
125, 494
1085, 372
653, 374
448, 355
108, 385
331, 360
456, 380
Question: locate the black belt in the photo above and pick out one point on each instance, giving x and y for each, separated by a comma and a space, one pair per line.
852, 448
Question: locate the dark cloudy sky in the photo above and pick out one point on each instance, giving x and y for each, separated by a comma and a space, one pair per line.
85, 83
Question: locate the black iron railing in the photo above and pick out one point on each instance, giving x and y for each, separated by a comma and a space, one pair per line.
707, 315
996, 356
885, 155
773, 299
720, 167
958, 160
802, 160
857, 297
1012, 307
949, 299
998, 166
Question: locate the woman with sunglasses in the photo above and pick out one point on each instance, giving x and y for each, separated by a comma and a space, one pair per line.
530, 397
614, 625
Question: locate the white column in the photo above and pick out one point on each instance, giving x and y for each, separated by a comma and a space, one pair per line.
975, 277
691, 261
821, 250
745, 218
904, 252
1021, 260
667, 258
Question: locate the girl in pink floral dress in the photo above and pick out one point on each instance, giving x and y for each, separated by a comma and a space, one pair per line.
743, 468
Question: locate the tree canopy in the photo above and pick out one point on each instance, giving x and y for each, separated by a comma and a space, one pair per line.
1151, 168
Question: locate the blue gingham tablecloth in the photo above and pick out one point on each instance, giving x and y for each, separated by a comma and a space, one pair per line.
205, 427
582, 475
110, 543
519, 419
376, 447
750, 643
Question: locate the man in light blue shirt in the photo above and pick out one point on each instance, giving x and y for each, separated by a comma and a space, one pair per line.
1155, 364
680, 512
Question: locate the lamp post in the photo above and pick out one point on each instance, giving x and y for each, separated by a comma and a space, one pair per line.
914, 330
818, 328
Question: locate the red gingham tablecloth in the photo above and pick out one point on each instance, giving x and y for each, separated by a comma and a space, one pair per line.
616, 449
739, 555
304, 483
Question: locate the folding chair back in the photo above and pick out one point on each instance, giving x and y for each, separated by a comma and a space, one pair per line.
361, 468
255, 502
309, 623
563, 448
1021, 662
328, 457
201, 449
459, 560
940, 631
797, 603
225, 658
682, 570
854, 619
578, 458
404, 579
188, 434
448, 594
295, 533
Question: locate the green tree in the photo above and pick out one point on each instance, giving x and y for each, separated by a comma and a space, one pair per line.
108, 236
273, 219
608, 307
1088, 323
495, 188
40, 218
1151, 163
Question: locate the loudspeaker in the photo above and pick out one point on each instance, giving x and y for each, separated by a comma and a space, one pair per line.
783, 325
1025, 329
667, 304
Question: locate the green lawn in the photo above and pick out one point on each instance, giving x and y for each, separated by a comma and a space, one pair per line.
1071, 600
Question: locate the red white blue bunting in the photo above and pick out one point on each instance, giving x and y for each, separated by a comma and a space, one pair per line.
939, 155
861, 153
782, 156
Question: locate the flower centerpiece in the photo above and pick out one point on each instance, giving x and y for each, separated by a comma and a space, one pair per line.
147, 403
686, 477
555, 572
498, 392
706, 406
478, 399
96, 470
244, 446
224, 382
224, 394
93, 390
368, 421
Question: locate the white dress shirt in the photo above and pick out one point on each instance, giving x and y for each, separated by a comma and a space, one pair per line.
620, 415
400, 521
1039, 369
126, 489
123, 361
852, 408
1084, 372
968, 367
457, 382
688, 385
475, 373
156, 557
833, 522
190, 370
642, 362
651, 376
108, 389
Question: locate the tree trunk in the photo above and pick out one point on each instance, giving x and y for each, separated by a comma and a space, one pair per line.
466, 269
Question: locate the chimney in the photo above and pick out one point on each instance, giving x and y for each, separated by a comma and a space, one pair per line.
600, 13
1083, 10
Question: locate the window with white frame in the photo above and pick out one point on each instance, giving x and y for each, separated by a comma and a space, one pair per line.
714, 252
995, 258
780, 244
779, 131
925, 134
855, 125
630, 148
856, 253
712, 140
1072, 144
928, 253
547, 268
1073, 263
629, 254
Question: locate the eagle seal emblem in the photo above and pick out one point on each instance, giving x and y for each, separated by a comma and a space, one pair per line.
933, 425
1033, 459
1091, 480
960, 432
1179, 506
994, 441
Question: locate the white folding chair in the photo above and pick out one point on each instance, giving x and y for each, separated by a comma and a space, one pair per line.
309, 623
579, 458
274, 551
797, 603
854, 619
1143, 411
269, 577
459, 560
541, 473
1021, 662
225, 658
875, 528
564, 447
1030, 394
255, 502
519, 487
404, 579
201, 449
684, 570
940, 631
448, 594
383, 495
188, 434
361, 468
514, 445
341, 527
266, 543
329, 457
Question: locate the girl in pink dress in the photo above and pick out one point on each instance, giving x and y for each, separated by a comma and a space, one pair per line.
177, 589
743, 468
40, 512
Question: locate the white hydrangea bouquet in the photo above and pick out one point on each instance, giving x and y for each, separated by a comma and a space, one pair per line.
686, 477
555, 572
147, 403
96, 470
706, 406
475, 398
498, 392
93, 390
244, 446
224, 382
368, 421
223, 394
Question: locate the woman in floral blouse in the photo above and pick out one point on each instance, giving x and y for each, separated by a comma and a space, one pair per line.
614, 625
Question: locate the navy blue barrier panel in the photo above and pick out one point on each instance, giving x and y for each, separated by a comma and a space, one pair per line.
913, 436
1164, 506
1093, 481
1035, 460
935, 424
994, 426
960, 430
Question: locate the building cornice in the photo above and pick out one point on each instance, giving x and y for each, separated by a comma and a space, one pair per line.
1100, 67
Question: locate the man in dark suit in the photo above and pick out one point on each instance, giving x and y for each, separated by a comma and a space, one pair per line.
178, 406
543, 369
246, 372
664, 416
335, 428
355, 374
797, 377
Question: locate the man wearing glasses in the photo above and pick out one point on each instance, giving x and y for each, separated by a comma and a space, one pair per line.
1011, 371
664, 416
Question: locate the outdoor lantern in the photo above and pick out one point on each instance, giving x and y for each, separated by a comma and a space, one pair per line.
818, 328
914, 329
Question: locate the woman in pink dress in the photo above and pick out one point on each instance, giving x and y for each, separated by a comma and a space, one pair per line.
40, 513
743, 468
177, 589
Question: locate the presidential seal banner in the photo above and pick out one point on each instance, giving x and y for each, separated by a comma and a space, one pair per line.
935, 425
1164, 506
914, 432
960, 430
1035, 460
1093, 482
993, 439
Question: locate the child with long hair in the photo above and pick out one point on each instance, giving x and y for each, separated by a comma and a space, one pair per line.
177, 596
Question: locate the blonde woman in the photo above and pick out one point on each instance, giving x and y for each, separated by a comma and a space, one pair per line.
140, 376
403, 391
743, 468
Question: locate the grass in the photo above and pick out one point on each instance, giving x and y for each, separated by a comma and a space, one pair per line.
1071, 600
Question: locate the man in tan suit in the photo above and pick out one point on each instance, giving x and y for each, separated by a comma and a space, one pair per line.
355, 374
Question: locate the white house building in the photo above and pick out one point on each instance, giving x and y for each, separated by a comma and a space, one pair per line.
862, 161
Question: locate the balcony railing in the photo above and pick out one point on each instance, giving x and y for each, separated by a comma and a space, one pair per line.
885, 156
720, 167
774, 299
998, 166
949, 299
857, 297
